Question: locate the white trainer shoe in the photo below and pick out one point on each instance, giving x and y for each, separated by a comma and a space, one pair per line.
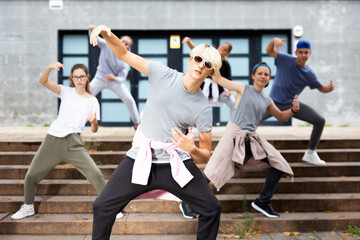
119, 215
313, 159
26, 210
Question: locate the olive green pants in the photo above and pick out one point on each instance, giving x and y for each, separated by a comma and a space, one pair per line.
53, 151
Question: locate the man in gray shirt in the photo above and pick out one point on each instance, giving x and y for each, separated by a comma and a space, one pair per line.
111, 73
161, 156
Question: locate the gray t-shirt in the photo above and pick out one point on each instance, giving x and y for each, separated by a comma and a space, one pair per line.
170, 105
251, 109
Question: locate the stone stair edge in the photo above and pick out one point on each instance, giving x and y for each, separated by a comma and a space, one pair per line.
199, 165
159, 223
214, 138
233, 180
222, 197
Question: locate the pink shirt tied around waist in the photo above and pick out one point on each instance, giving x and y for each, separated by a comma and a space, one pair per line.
143, 160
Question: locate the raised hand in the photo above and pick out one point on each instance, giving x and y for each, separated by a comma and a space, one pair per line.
186, 40
44, 78
92, 117
96, 32
279, 45
295, 104
331, 86
57, 66
327, 88
91, 27
186, 143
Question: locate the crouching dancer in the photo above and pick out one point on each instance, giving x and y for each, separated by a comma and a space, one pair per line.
63, 142
162, 156
241, 147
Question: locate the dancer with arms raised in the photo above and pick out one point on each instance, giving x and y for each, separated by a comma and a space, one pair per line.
162, 155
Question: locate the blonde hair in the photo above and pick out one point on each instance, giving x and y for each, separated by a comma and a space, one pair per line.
214, 55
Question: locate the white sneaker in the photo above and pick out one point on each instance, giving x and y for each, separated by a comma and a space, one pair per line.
119, 215
313, 159
25, 211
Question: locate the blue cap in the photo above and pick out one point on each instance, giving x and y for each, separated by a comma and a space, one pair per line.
303, 44
264, 64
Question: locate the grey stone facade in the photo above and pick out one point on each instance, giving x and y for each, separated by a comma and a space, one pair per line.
29, 34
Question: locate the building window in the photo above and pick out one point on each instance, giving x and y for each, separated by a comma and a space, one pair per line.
249, 47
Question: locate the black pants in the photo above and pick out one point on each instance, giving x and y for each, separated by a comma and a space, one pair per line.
272, 178
309, 115
119, 191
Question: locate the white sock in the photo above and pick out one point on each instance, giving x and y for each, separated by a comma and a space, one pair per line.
310, 151
28, 205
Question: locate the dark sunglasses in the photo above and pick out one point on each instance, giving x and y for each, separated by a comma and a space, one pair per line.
207, 64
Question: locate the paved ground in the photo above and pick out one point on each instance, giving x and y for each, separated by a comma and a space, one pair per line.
335, 235
38, 133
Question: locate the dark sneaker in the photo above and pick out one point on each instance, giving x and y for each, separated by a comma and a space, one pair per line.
186, 210
265, 208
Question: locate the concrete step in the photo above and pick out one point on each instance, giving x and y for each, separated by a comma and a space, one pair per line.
298, 185
64, 171
115, 157
125, 144
328, 155
301, 169
332, 202
25, 158
48, 187
335, 143
322, 235
175, 223
234, 186
33, 145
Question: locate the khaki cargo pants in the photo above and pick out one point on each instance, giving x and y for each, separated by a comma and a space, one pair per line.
53, 151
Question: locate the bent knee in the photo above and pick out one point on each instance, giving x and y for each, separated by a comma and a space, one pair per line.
31, 178
98, 175
218, 206
320, 121
129, 102
97, 205
94, 175
215, 206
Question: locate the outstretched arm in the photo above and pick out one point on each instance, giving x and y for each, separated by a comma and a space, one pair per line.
44, 78
187, 143
116, 46
188, 41
284, 115
327, 88
275, 45
230, 85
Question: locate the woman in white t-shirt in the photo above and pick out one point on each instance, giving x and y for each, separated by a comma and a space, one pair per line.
63, 142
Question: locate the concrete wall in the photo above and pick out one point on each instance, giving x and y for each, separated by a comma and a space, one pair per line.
28, 43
